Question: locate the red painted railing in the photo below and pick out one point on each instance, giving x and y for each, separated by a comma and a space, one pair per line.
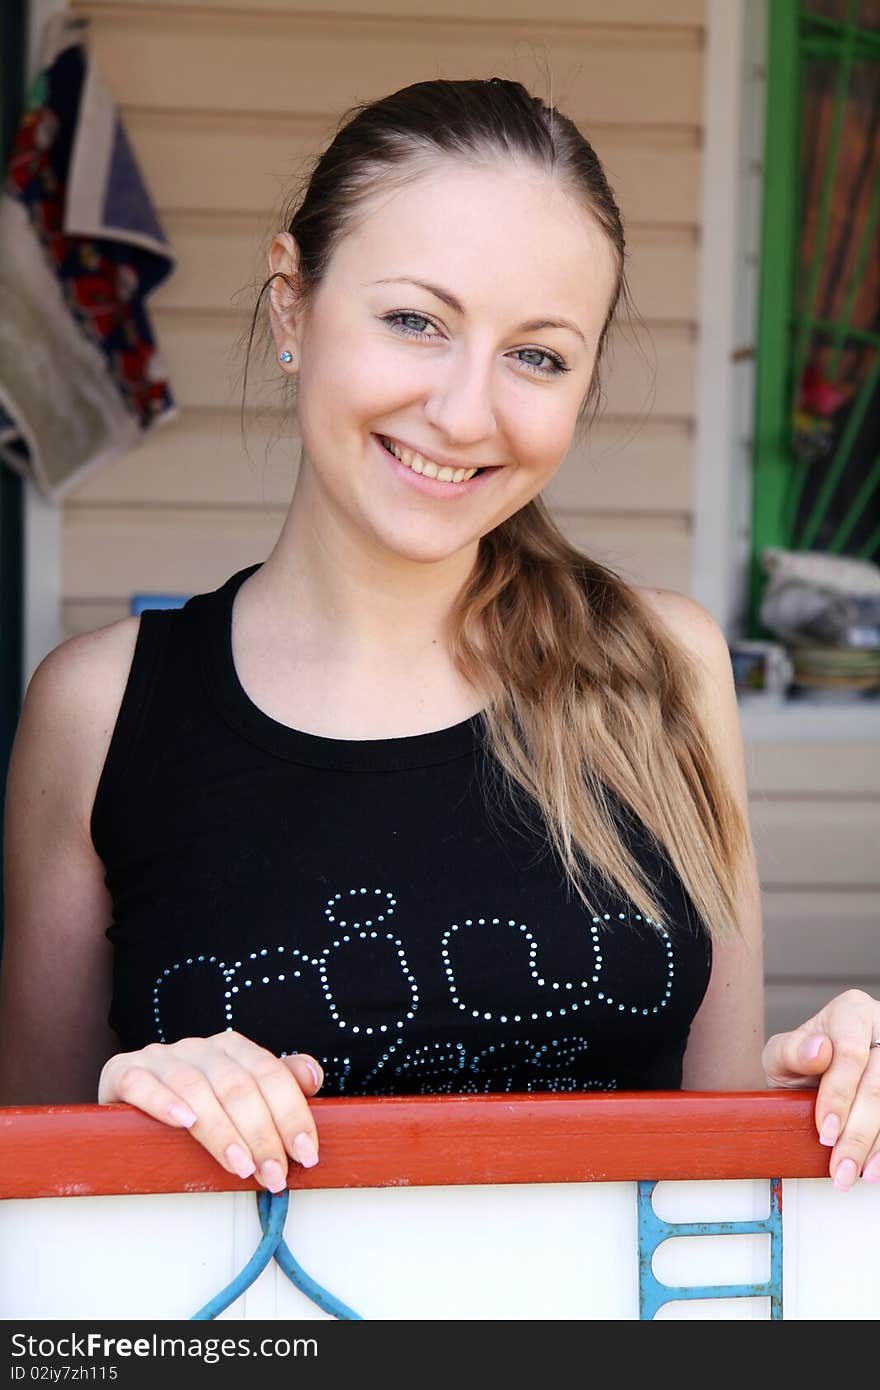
99, 1150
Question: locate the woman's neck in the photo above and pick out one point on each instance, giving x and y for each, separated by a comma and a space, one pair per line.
333, 591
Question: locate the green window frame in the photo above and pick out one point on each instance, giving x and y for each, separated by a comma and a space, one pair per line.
786, 512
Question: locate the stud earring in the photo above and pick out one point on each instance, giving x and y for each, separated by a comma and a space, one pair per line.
285, 356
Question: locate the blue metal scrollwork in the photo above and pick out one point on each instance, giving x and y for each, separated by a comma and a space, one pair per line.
653, 1231
272, 1211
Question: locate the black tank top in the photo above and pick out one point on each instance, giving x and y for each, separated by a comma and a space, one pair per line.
369, 902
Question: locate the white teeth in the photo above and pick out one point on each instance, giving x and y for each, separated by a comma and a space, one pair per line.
425, 466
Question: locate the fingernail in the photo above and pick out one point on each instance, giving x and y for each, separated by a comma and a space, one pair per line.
812, 1047
239, 1161
829, 1131
314, 1071
845, 1175
182, 1114
304, 1151
272, 1176
871, 1171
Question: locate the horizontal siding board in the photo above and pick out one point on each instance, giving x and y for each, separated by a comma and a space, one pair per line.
690, 13
645, 550
114, 553
110, 553
823, 843
286, 62
625, 467
199, 457
247, 164
77, 618
205, 354
829, 933
813, 769
655, 187
217, 264
663, 274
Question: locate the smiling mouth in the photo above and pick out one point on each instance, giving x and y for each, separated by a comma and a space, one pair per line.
426, 467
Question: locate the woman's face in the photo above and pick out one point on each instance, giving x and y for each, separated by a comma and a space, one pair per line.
469, 374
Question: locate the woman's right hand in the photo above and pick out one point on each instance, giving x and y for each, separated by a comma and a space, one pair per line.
246, 1106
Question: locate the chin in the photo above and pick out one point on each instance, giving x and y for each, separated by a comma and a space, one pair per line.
427, 550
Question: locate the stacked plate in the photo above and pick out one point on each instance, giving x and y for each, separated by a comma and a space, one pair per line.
835, 668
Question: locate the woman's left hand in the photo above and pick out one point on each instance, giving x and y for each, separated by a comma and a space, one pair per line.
833, 1050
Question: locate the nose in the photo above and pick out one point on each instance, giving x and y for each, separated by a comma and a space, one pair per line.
460, 406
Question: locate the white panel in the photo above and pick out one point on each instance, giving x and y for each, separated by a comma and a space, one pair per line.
715, 1310
532, 1252
511, 1251
184, 1255
714, 1259
711, 1201
821, 1228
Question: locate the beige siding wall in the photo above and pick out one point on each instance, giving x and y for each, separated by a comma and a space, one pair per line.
815, 814
222, 99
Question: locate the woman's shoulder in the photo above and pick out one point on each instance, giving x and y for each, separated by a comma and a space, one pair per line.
698, 633
72, 703
689, 624
88, 668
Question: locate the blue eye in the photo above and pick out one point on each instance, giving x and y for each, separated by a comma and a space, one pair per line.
404, 314
555, 369
557, 364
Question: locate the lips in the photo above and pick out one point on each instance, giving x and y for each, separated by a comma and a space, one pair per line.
431, 487
429, 465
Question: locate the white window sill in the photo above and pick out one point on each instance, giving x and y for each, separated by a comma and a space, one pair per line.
771, 719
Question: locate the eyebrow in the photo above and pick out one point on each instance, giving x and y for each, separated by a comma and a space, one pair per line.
532, 326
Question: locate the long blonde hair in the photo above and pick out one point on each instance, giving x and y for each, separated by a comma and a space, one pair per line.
586, 694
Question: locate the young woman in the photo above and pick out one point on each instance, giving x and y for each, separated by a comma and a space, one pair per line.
427, 801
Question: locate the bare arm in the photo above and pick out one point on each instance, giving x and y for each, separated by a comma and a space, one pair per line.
56, 971
246, 1106
727, 1034
835, 1051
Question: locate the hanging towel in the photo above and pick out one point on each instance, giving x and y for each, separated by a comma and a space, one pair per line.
81, 248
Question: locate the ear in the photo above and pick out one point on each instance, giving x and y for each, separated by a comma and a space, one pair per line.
283, 312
